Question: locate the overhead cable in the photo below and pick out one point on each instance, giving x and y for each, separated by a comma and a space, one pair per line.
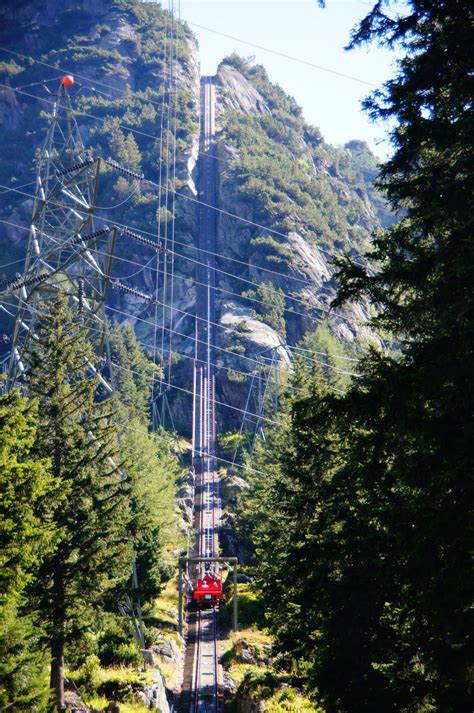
182, 195
184, 257
286, 56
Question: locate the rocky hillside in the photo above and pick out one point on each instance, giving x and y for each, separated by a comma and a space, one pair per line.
302, 201
118, 52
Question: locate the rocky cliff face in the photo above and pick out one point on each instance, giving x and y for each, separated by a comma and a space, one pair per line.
302, 202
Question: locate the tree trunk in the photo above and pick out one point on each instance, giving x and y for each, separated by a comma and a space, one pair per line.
57, 638
57, 672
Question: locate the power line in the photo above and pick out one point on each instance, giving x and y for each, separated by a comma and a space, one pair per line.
24, 185
314, 351
214, 400
184, 257
174, 113
222, 349
182, 277
173, 386
223, 460
285, 56
14, 262
300, 60
146, 346
78, 112
285, 347
237, 355
220, 289
182, 195
184, 312
91, 88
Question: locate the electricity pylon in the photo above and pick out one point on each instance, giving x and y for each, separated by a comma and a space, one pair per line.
64, 250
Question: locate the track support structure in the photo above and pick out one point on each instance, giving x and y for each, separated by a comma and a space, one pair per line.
230, 562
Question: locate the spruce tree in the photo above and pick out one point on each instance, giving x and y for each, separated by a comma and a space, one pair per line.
420, 406
152, 470
79, 437
151, 466
368, 573
28, 492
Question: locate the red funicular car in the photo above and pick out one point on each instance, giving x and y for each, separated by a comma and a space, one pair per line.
208, 591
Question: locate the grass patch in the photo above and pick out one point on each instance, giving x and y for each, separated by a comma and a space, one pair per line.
287, 700
168, 670
256, 680
239, 671
274, 689
99, 686
133, 708
124, 675
250, 607
100, 703
164, 612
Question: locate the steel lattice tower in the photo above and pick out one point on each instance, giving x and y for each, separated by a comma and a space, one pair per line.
64, 250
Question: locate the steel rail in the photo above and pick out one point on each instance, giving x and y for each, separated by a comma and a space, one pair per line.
204, 693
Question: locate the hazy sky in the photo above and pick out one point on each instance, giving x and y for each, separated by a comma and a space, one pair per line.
299, 28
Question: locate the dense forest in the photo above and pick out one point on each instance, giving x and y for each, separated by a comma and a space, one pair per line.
87, 493
360, 530
353, 516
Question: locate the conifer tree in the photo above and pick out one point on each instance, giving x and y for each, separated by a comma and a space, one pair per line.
79, 437
368, 581
27, 495
151, 466
152, 470
420, 406
133, 372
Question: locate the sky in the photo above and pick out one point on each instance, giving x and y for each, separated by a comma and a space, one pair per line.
302, 30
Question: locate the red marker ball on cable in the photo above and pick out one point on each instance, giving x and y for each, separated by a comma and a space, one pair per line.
67, 81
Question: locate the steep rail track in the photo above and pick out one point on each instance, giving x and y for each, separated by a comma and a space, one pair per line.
201, 684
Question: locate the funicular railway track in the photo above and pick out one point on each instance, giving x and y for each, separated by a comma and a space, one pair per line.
201, 680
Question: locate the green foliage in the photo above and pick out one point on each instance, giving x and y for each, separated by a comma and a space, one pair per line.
332, 358
251, 609
134, 372
272, 688
292, 181
363, 523
10, 68
23, 685
27, 495
82, 42
78, 436
152, 469
26, 487
271, 305
87, 676
228, 442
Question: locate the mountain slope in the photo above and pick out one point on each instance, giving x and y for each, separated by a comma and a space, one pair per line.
294, 201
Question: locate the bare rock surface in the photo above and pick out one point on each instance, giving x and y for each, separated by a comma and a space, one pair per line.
236, 92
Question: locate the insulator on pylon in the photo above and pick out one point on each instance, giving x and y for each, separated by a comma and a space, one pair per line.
126, 171
84, 238
129, 290
7, 283
75, 167
80, 294
18, 284
144, 241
